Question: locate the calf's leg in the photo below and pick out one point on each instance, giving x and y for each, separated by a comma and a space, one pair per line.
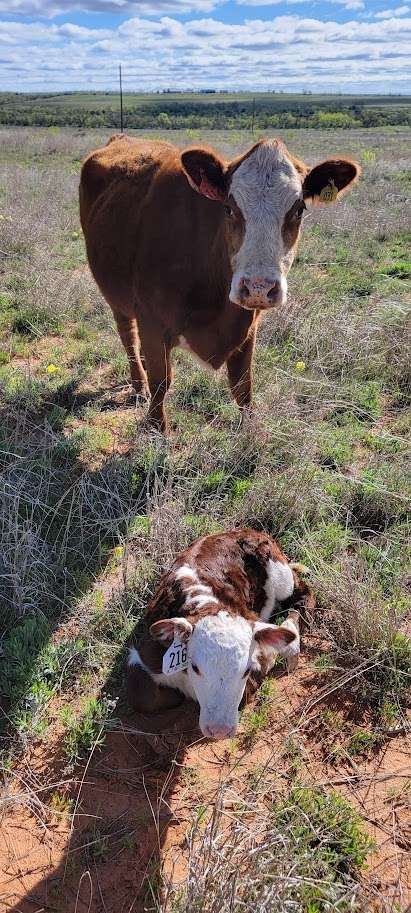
145, 696
127, 328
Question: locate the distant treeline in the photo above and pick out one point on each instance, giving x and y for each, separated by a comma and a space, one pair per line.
212, 115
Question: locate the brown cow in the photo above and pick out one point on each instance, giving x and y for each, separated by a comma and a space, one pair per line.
189, 249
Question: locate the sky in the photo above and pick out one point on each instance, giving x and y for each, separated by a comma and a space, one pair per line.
283, 45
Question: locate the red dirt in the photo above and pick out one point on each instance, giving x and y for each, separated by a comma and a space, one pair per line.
133, 805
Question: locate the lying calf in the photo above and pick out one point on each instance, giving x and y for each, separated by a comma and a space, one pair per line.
208, 627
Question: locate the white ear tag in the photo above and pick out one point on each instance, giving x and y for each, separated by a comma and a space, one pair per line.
175, 658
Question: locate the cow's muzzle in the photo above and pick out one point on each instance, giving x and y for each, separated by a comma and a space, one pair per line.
254, 294
218, 731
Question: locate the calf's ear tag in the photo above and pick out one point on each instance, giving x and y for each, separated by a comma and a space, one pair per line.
175, 658
329, 193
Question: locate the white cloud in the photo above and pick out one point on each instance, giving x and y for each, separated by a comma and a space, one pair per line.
351, 4
288, 51
389, 14
50, 8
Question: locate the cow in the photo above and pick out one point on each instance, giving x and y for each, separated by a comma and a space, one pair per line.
189, 249
208, 629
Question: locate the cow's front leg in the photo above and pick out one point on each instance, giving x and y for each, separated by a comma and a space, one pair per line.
145, 696
156, 353
240, 371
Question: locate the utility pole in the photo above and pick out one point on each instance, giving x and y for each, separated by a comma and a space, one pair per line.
121, 98
252, 121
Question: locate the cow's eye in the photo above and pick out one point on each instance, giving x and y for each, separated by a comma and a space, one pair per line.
195, 668
299, 212
228, 211
247, 672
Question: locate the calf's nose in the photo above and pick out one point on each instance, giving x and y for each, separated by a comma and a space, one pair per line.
259, 292
219, 731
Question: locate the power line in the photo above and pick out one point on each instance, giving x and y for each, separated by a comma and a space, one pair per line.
121, 99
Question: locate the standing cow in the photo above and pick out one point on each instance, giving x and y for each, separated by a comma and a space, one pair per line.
189, 249
208, 627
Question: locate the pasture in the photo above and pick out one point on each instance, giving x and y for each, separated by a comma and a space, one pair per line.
205, 110
308, 809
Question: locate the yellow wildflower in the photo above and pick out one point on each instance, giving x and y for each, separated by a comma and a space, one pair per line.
51, 369
300, 366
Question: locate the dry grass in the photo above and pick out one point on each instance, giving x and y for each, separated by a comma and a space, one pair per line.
256, 851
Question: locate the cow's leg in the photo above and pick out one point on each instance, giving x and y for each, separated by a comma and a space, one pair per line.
145, 696
127, 328
158, 365
240, 371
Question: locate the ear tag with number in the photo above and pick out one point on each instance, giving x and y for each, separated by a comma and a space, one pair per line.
329, 193
175, 658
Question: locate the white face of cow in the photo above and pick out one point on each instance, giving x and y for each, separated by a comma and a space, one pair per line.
263, 193
220, 653
222, 650
267, 190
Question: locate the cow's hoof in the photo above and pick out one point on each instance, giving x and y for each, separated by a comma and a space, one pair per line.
251, 424
142, 394
156, 426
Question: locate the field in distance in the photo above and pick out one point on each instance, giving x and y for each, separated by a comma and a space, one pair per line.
205, 109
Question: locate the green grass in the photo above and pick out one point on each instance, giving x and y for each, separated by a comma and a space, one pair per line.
256, 719
84, 733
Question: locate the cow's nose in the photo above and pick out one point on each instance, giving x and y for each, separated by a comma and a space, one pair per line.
274, 293
259, 292
217, 731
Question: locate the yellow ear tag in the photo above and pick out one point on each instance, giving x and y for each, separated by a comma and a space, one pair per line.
329, 193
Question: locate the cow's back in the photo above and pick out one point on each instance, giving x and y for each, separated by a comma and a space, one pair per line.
115, 190
149, 237
122, 162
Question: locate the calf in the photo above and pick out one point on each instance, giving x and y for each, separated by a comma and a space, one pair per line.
208, 627
189, 249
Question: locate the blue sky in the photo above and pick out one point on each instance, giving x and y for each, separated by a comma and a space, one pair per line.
289, 45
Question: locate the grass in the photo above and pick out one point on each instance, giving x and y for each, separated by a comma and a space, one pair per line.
93, 506
305, 855
254, 721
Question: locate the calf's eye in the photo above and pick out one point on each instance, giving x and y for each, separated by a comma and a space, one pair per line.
195, 668
228, 211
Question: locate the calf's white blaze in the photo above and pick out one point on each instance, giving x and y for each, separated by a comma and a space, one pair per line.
265, 186
221, 647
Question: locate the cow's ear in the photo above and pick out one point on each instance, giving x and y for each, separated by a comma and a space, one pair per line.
205, 173
169, 629
273, 639
325, 182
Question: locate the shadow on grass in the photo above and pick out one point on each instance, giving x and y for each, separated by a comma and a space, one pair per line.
59, 521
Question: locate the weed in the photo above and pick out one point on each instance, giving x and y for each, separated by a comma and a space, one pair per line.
313, 811
85, 732
256, 719
60, 804
363, 742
